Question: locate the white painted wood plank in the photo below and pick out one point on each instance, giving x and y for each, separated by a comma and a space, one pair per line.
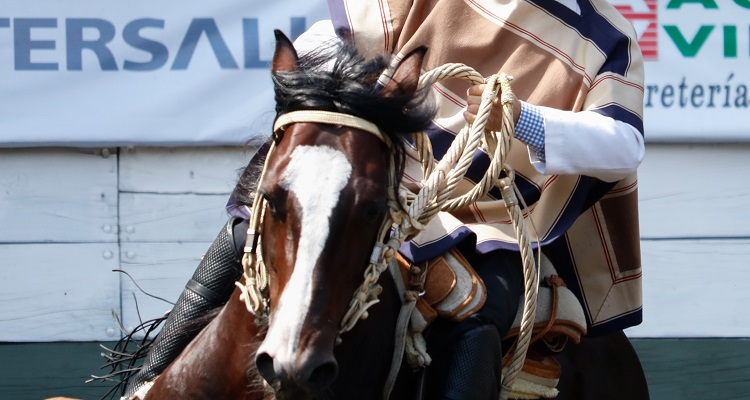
57, 195
171, 217
182, 170
160, 269
680, 195
58, 292
51, 292
695, 191
695, 288
691, 288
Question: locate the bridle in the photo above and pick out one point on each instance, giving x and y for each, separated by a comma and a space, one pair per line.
254, 290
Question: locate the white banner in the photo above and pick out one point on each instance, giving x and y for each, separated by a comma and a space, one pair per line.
109, 72
106, 72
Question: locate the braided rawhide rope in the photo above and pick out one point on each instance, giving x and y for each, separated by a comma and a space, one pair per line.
441, 178
452, 168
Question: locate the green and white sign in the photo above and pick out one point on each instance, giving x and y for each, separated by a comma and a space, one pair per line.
697, 56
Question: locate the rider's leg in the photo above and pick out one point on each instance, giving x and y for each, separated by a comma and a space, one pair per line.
467, 359
210, 287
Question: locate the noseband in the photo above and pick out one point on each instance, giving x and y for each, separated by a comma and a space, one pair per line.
325, 117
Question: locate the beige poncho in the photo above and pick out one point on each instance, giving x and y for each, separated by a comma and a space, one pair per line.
560, 58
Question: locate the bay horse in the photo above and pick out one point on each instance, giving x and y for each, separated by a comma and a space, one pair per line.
325, 190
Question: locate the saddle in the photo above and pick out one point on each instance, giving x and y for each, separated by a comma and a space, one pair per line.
452, 289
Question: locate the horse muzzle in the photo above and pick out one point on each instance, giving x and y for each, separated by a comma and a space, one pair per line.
307, 369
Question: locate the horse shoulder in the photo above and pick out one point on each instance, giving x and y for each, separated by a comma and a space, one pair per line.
216, 364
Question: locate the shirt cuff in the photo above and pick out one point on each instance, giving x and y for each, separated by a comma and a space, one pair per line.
530, 129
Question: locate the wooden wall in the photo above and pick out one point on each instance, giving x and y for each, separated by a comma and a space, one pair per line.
695, 229
71, 216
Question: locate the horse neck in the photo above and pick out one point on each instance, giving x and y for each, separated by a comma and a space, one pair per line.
236, 340
219, 362
365, 352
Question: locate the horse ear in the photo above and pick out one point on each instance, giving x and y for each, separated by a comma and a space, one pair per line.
405, 78
285, 56
346, 36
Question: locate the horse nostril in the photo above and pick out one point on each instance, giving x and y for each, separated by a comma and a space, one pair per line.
314, 373
324, 375
264, 362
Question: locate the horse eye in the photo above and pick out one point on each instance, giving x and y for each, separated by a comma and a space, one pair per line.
271, 204
376, 209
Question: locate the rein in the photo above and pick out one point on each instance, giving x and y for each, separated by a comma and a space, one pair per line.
408, 214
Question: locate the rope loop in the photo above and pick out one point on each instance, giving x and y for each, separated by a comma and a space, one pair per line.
441, 180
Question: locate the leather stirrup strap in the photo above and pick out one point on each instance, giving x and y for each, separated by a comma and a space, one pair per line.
203, 291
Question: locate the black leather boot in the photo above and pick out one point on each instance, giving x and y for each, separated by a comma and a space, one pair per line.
210, 287
468, 368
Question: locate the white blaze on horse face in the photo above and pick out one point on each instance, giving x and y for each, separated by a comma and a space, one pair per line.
316, 175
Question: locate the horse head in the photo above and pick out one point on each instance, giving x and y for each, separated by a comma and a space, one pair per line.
326, 192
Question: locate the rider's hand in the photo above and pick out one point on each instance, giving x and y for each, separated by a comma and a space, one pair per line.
474, 97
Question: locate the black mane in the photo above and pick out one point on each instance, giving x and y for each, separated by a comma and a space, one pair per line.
338, 78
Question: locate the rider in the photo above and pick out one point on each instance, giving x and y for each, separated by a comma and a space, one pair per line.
578, 74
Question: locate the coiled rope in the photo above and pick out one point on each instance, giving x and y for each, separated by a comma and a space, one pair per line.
440, 180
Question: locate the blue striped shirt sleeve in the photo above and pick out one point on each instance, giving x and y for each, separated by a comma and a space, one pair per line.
530, 129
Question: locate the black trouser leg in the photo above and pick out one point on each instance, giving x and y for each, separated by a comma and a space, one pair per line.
210, 287
467, 357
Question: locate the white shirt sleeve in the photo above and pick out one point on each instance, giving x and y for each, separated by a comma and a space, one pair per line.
588, 143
